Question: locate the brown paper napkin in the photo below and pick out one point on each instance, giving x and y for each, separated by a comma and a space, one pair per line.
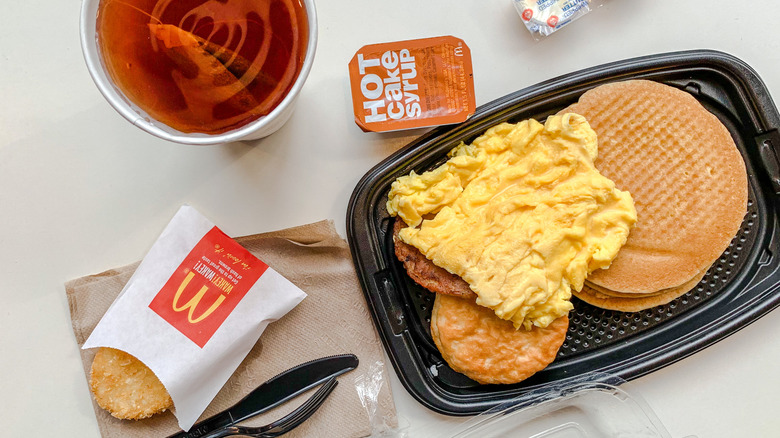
333, 319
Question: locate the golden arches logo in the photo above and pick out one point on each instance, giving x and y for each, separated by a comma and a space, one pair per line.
198, 296
193, 303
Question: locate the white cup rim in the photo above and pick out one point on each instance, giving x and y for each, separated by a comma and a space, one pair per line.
121, 103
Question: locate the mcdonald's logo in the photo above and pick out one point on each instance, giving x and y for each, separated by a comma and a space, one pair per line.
191, 306
459, 51
205, 288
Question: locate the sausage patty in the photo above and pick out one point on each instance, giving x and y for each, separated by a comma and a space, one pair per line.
424, 272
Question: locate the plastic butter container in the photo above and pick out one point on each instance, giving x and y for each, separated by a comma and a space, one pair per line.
543, 17
412, 84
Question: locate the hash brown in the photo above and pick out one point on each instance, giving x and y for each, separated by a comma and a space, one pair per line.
125, 387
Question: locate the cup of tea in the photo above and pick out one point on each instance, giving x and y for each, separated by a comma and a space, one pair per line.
200, 72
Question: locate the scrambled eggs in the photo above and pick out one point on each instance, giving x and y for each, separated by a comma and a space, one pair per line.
522, 215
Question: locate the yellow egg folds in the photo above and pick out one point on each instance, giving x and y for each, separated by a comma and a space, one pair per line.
522, 215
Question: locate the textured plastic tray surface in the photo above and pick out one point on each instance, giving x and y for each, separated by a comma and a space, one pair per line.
741, 285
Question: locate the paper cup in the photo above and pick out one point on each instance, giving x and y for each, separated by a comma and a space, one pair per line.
262, 127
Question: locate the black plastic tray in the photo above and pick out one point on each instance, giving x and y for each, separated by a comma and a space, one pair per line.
741, 286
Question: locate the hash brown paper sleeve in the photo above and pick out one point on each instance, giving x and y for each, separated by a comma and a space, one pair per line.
194, 348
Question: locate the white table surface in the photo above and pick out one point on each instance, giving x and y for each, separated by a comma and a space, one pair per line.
82, 190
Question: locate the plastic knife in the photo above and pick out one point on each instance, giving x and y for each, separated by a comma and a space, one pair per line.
275, 391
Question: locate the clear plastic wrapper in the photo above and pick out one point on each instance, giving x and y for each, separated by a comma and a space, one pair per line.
593, 405
368, 386
543, 17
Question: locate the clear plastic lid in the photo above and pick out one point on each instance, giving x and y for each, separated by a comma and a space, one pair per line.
590, 406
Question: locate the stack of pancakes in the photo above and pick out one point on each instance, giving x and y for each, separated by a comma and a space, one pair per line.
689, 186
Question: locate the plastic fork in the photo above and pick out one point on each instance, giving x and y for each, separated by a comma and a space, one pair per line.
284, 424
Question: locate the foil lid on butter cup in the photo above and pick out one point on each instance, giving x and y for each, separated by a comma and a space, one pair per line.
412, 84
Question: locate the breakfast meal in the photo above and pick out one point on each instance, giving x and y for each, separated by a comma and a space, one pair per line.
688, 181
510, 226
580, 231
125, 387
205, 67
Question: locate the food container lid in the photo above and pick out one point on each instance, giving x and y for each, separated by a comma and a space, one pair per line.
589, 406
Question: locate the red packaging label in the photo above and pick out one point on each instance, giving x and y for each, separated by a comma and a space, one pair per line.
412, 84
207, 286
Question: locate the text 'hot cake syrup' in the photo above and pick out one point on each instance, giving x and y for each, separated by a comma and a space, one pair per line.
205, 66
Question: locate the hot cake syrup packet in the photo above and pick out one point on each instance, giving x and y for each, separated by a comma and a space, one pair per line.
193, 310
412, 84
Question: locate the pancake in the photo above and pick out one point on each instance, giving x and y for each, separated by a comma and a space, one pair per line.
610, 293
424, 272
125, 387
686, 176
639, 303
487, 349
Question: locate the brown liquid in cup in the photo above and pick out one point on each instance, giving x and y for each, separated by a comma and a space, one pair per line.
203, 66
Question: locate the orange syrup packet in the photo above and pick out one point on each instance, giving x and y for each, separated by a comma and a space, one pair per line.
412, 84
